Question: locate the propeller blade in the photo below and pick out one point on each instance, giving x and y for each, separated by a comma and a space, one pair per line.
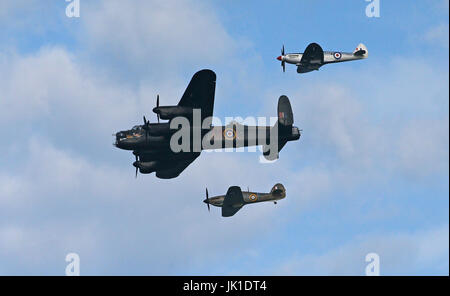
207, 199
137, 159
146, 127
282, 60
157, 105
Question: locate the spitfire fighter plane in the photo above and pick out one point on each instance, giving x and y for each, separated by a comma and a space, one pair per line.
314, 57
153, 143
235, 198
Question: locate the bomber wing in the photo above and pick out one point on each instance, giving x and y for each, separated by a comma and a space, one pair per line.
200, 93
176, 167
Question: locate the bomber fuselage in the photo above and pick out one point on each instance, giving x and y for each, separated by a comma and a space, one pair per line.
232, 136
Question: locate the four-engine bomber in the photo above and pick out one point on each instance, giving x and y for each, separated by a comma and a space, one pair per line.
168, 148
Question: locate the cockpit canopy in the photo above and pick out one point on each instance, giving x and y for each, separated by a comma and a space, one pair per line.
136, 128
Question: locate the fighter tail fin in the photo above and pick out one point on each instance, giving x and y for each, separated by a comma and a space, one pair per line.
361, 51
278, 189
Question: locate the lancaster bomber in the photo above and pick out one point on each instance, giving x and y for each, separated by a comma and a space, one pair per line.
168, 148
314, 57
235, 198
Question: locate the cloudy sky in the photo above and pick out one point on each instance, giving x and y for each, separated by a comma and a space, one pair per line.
370, 173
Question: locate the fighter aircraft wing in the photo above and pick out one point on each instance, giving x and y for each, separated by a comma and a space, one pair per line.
313, 55
178, 167
200, 93
232, 202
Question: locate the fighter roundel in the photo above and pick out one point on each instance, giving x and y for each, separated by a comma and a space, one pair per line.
337, 55
252, 197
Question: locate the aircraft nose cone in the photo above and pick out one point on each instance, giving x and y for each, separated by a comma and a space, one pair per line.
279, 58
206, 201
136, 164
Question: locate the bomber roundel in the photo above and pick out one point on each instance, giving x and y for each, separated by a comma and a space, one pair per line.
229, 134
337, 55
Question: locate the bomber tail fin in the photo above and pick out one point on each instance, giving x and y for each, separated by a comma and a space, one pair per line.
283, 128
285, 115
361, 51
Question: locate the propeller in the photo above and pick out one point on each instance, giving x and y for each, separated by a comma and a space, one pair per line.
157, 105
135, 164
282, 61
207, 199
146, 127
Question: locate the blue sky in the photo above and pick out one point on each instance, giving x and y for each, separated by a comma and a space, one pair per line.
370, 173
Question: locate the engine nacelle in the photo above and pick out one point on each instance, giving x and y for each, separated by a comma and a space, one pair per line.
160, 129
169, 112
147, 167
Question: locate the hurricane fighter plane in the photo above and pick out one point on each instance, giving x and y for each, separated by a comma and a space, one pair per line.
314, 57
153, 143
235, 198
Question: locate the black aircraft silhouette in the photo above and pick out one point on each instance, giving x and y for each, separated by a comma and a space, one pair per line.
152, 143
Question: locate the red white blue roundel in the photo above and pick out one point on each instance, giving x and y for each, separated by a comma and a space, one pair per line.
229, 134
337, 55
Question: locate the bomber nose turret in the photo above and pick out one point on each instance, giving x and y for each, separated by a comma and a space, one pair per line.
120, 135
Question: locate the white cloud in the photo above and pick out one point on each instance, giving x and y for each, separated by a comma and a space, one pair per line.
377, 126
60, 198
51, 86
400, 254
422, 147
155, 38
438, 35
87, 208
